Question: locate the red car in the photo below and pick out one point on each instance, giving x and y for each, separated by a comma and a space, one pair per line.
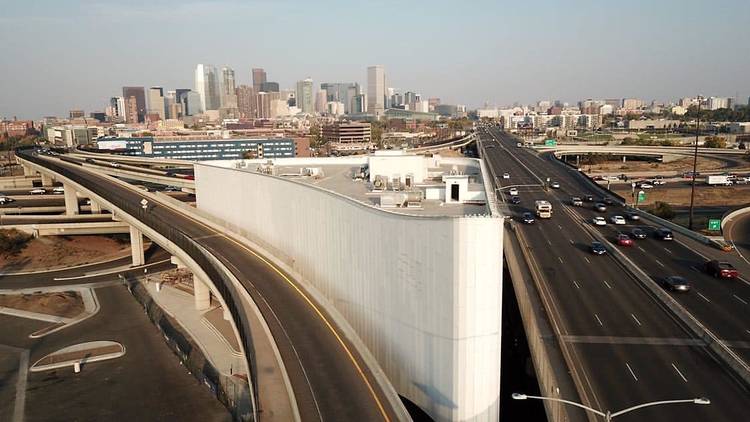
624, 240
721, 269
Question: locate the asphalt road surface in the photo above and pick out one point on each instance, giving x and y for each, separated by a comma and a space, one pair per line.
629, 348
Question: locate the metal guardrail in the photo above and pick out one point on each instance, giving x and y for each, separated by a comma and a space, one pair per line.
183, 241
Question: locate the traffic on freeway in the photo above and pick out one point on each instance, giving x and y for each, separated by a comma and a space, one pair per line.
629, 347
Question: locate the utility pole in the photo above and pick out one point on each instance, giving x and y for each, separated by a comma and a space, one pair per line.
695, 164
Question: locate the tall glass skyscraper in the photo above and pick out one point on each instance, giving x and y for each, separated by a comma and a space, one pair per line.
138, 109
228, 95
376, 90
305, 96
207, 86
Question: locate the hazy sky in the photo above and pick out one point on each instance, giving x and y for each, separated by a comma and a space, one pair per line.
57, 55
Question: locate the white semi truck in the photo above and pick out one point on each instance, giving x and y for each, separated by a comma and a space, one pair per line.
719, 179
543, 209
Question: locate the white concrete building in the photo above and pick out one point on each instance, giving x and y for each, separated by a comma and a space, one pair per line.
421, 286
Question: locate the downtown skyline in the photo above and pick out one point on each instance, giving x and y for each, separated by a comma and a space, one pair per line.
499, 56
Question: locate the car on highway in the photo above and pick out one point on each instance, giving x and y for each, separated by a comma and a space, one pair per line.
597, 248
657, 181
518, 144
172, 189
6, 199
58, 190
632, 215
664, 233
638, 233
599, 221
617, 219
506, 175
576, 201
607, 200
675, 283
689, 174
645, 185
515, 200
115, 164
513, 191
90, 160
624, 240
555, 185
588, 198
600, 207
527, 218
720, 269
38, 191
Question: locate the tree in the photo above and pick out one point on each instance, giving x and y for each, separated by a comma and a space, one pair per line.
715, 142
663, 210
13, 241
316, 138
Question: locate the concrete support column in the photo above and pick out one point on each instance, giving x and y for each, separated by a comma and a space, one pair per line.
47, 180
95, 207
227, 315
28, 171
136, 246
624, 158
202, 294
71, 201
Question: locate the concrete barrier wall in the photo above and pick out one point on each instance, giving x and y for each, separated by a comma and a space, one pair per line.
423, 293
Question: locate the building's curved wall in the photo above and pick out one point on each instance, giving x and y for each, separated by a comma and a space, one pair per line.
424, 294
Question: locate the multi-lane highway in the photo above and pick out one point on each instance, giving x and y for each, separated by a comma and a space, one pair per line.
329, 378
628, 347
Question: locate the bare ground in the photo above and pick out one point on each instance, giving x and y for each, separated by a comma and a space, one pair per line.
51, 252
64, 304
681, 165
714, 196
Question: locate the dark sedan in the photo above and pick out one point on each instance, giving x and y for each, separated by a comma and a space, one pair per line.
597, 248
676, 283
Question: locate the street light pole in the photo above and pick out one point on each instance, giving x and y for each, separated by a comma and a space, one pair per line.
695, 164
608, 416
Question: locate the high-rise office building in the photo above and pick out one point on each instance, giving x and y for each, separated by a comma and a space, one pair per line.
76, 114
207, 86
341, 92
246, 101
269, 87
228, 95
320, 101
259, 77
139, 95
376, 90
433, 102
305, 96
116, 109
156, 101
191, 103
359, 104
131, 110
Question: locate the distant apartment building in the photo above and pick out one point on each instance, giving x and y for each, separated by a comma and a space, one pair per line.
269, 87
716, 103
76, 114
246, 101
321, 101
200, 149
156, 102
136, 110
348, 136
16, 127
632, 104
259, 78
72, 135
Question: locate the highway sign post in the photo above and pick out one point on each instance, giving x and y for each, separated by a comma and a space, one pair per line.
639, 198
714, 224
550, 143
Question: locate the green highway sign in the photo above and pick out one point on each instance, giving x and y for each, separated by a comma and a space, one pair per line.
641, 196
550, 143
714, 224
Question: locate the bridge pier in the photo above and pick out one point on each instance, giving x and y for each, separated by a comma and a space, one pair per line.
47, 180
136, 245
202, 294
95, 207
71, 200
28, 171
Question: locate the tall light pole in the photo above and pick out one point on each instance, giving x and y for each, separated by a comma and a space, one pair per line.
608, 416
695, 164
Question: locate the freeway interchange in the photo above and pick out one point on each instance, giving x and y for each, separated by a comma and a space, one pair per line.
628, 347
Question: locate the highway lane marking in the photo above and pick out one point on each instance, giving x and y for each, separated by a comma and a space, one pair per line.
659, 262
607, 284
740, 299
560, 259
576, 284
650, 341
668, 251
598, 320
572, 242
678, 372
641, 249
587, 259
549, 243
636, 320
631, 371
704, 297
559, 226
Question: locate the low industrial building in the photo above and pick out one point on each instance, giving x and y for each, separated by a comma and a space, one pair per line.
342, 136
652, 124
200, 149
403, 246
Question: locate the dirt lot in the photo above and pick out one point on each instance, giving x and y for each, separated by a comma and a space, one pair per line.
682, 165
64, 304
52, 252
679, 194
